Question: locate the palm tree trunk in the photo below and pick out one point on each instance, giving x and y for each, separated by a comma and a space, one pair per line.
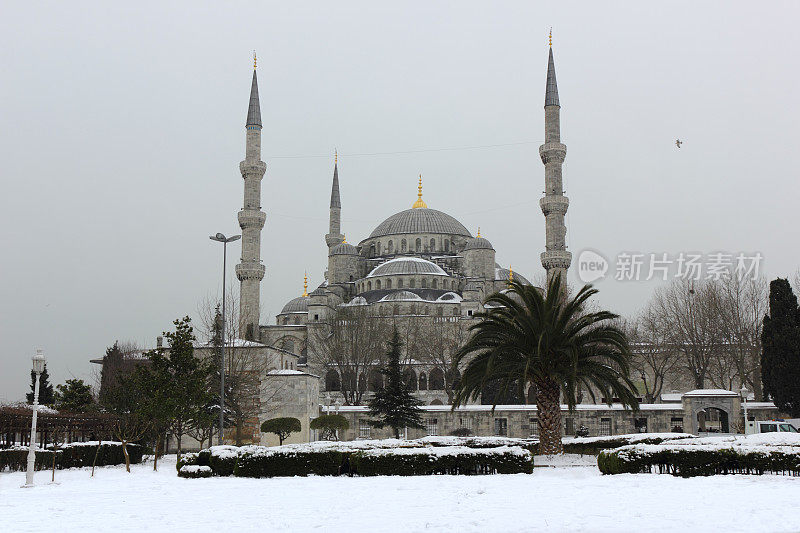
547, 404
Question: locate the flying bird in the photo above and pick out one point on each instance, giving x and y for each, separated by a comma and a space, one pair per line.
678, 143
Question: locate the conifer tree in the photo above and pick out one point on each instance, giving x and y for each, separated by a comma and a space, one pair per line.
780, 340
395, 404
46, 396
74, 396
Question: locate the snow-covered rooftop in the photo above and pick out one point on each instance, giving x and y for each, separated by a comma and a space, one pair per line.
711, 392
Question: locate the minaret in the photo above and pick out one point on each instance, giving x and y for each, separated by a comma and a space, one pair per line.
250, 271
334, 235
555, 259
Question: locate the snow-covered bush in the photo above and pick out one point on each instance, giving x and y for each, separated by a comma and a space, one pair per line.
187, 459
195, 471
754, 454
582, 431
593, 445
221, 459
260, 461
442, 460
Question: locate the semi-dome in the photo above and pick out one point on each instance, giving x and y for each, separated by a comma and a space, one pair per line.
296, 305
401, 296
407, 265
420, 220
343, 248
479, 243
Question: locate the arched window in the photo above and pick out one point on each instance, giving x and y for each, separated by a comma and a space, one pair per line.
424, 283
403, 245
436, 402
378, 284
425, 310
332, 382
375, 381
411, 283
419, 245
410, 378
287, 344
378, 248
455, 311
423, 381
372, 249
433, 244
349, 380
436, 379
434, 284
446, 245
396, 309
369, 285
440, 311
399, 283
388, 283
391, 247
351, 277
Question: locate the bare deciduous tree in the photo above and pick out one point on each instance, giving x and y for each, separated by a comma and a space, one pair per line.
655, 358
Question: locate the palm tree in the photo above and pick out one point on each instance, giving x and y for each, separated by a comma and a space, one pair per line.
551, 341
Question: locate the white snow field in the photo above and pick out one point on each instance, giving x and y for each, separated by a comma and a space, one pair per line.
570, 496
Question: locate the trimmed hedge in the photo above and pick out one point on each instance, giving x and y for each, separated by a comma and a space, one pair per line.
594, 445
280, 463
195, 471
689, 461
75, 455
432, 461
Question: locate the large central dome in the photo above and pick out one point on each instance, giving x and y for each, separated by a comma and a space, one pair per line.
420, 220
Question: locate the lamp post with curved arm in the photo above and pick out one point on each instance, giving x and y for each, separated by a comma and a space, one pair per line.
219, 237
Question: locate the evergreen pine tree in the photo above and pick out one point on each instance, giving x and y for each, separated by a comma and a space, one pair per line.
395, 404
780, 356
45, 388
74, 396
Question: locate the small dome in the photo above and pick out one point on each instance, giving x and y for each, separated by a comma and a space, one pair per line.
358, 300
343, 248
449, 297
501, 274
479, 243
296, 305
400, 296
407, 265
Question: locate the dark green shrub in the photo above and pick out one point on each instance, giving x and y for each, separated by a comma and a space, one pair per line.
280, 463
329, 426
221, 459
282, 427
594, 445
421, 462
690, 461
187, 459
582, 431
195, 471
73, 455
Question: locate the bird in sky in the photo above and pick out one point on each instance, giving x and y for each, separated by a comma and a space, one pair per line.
678, 143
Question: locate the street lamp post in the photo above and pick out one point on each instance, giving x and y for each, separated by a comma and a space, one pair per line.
38, 368
219, 237
744, 392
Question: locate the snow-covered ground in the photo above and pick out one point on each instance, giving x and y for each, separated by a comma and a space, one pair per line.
575, 498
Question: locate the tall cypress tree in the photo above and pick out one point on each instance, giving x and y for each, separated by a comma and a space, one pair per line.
45, 388
780, 356
395, 404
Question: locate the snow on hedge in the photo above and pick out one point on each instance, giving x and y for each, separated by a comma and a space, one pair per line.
446, 451
631, 438
788, 443
194, 469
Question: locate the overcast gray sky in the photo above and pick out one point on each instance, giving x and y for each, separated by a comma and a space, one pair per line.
123, 126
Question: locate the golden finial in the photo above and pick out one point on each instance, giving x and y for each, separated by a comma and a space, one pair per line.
254, 59
510, 275
479, 232
335, 157
305, 284
419, 202
344, 239
550, 38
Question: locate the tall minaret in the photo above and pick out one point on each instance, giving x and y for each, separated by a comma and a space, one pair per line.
334, 235
555, 259
250, 271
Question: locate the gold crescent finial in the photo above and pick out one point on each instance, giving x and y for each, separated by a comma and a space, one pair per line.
335, 157
510, 275
254, 59
479, 232
550, 38
344, 238
419, 202
305, 284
